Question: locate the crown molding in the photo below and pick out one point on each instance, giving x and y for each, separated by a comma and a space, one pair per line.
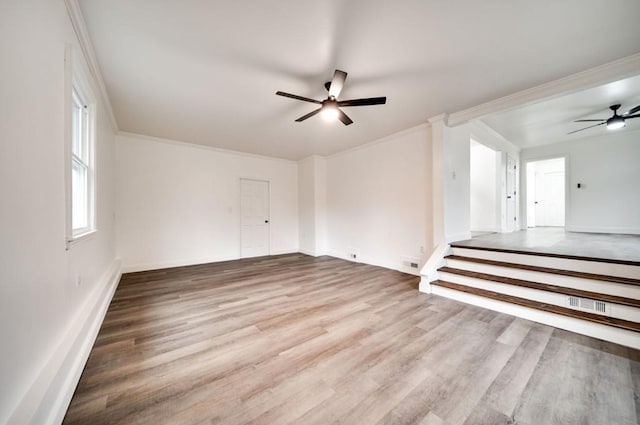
383, 139
140, 136
80, 28
609, 72
442, 118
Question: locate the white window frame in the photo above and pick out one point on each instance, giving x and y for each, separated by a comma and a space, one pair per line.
80, 154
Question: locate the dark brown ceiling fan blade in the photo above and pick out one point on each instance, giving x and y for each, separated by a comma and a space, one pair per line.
295, 96
626, 117
309, 115
344, 118
631, 111
590, 120
364, 102
591, 126
337, 82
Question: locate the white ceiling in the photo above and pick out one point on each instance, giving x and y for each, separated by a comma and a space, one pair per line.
207, 71
550, 121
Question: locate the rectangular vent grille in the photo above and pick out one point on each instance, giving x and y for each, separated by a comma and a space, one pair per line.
587, 304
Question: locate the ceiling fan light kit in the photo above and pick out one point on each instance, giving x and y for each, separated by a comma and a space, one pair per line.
615, 121
330, 107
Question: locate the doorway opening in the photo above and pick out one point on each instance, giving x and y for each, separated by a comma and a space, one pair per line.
546, 193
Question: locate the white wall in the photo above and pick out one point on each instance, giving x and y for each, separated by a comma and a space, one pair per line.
457, 175
307, 205
312, 209
41, 307
377, 200
606, 165
483, 187
178, 203
457, 217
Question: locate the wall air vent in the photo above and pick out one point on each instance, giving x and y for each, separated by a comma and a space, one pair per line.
587, 304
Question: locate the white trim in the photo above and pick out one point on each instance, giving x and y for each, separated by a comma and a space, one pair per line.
309, 252
429, 271
77, 81
127, 134
144, 267
80, 28
444, 118
595, 330
81, 238
477, 127
284, 252
612, 71
47, 399
370, 261
384, 139
604, 229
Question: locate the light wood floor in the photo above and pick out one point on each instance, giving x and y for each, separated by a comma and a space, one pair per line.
297, 339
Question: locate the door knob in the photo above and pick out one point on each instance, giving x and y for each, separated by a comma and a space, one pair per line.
266, 221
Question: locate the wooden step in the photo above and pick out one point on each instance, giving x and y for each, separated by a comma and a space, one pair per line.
549, 254
544, 287
564, 311
571, 273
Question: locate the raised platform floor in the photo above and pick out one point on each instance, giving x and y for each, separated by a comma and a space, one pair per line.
556, 241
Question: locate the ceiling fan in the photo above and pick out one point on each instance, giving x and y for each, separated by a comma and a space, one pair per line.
330, 107
615, 121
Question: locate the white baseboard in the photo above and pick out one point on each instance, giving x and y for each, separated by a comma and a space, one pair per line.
48, 398
309, 252
605, 229
371, 261
284, 251
143, 267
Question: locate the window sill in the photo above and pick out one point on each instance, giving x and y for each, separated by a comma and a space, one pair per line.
80, 238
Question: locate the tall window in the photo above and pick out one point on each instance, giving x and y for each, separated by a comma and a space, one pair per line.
82, 172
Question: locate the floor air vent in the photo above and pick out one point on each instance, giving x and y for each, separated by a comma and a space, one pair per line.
587, 304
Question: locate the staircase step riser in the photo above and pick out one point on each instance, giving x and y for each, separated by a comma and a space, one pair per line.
618, 311
622, 290
607, 333
597, 267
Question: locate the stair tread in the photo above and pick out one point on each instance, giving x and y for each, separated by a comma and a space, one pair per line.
544, 287
549, 254
564, 311
572, 273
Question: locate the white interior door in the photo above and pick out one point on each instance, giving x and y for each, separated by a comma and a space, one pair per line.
254, 218
550, 198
